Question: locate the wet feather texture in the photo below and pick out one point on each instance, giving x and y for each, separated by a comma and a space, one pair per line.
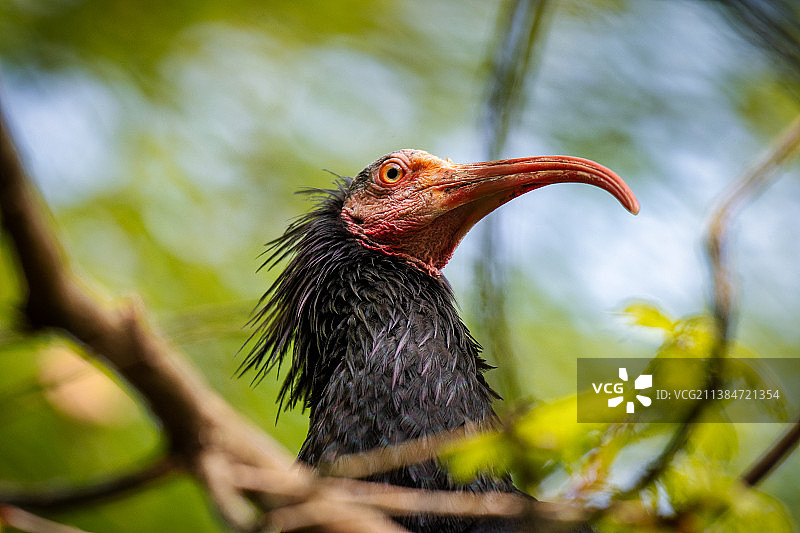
375, 350
367, 324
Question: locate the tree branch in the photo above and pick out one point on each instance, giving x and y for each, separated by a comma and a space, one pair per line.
174, 391
743, 191
379, 460
773, 457
203, 431
522, 25
25, 521
397, 500
53, 499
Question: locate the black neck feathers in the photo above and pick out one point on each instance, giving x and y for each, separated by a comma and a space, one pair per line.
375, 347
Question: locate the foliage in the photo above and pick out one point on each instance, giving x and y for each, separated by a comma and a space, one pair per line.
596, 464
168, 139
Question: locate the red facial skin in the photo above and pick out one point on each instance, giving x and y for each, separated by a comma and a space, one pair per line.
419, 207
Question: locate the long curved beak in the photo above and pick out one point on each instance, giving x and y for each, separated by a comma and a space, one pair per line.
469, 192
486, 186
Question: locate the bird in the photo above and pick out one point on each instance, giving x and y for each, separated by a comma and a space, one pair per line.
367, 325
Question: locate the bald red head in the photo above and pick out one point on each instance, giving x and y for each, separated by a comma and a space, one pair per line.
417, 206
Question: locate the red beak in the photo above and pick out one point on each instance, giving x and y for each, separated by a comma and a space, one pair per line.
423, 218
486, 186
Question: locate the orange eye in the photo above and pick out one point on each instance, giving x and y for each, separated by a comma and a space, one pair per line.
391, 172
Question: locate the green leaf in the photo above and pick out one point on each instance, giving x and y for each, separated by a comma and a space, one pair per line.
553, 428
649, 316
486, 452
702, 494
753, 510
544, 438
715, 440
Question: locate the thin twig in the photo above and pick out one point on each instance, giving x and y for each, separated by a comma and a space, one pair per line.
522, 26
55, 498
30, 523
379, 460
742, 191
399, 501
333, 516
773, 457
521, 30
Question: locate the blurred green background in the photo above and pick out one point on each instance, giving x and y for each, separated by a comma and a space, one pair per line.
168, 138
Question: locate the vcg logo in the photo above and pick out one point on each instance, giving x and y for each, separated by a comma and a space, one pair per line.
644, 381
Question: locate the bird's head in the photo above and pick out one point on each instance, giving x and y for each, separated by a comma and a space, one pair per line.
417, 206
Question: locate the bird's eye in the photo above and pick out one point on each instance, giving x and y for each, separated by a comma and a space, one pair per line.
391, 173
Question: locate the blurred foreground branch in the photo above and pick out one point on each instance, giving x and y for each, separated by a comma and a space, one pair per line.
206, 437
54, 498
25, 521
380, 460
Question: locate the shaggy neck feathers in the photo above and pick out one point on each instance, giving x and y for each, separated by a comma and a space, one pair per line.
373, 346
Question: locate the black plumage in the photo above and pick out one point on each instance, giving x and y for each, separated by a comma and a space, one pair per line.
379, 353
367, 325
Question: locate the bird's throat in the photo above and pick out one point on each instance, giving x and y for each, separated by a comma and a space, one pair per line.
428, 247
